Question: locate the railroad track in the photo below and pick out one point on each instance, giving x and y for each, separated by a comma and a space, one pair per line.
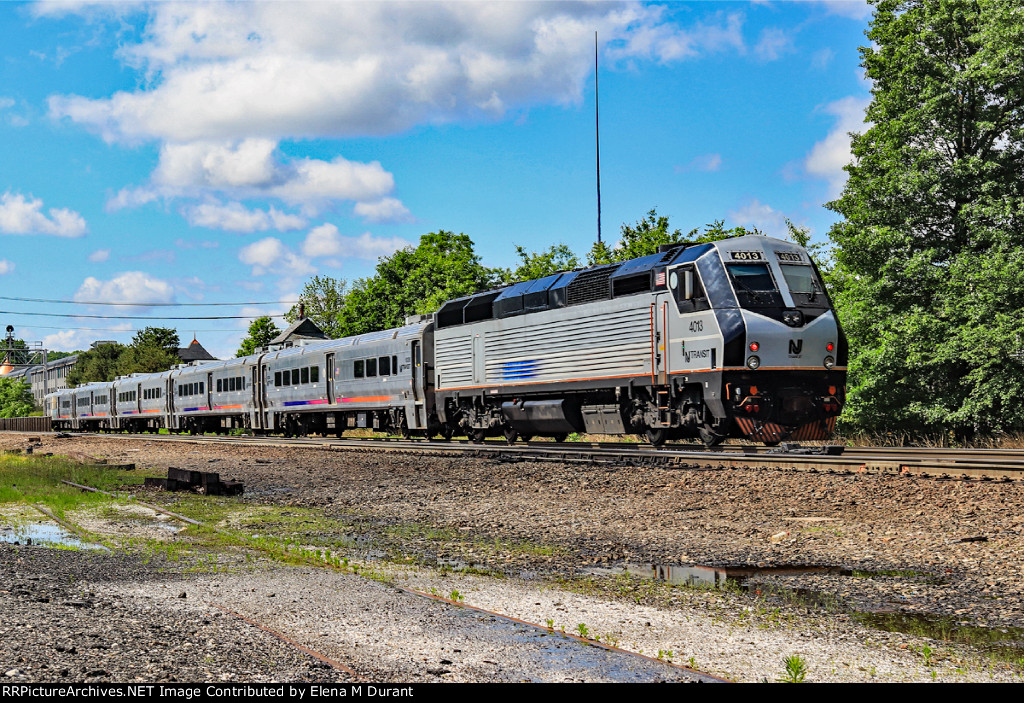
981, 464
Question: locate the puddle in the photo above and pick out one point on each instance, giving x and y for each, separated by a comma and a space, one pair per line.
711, 576
44, 534
1004, 643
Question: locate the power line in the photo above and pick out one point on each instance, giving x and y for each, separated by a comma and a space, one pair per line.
114, 329
173, 305
133, 317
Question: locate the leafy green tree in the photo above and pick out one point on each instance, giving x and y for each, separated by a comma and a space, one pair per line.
162, 337
645, 237
152, 349
15, 398
261, 331
415, 281
99, 364
323, 298
650, 233
929, 261
532, 265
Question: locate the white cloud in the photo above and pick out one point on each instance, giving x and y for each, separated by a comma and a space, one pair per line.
384, 210
131, 197
99, 256
854, 9
326, 241
66, 340
828, 157
764, 217
235, 217
265, 70
271, 255
253, 168
704, 162
774, 42
129, 287
20, 215
5, 266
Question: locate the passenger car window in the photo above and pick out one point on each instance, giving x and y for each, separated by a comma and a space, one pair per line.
385, 365
359, 366
371, 367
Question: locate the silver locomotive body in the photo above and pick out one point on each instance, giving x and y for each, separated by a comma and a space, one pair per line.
732, 338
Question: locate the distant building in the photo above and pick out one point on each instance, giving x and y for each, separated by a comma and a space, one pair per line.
57, 371
194, 352
300, 330
56, 375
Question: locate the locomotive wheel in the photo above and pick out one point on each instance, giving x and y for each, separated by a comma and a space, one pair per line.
560, 437
526, 437
710, 437
404, 430
656, 436
477, 436
447, 432
511, 435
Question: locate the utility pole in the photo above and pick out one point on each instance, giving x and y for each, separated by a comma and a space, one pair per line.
597, 139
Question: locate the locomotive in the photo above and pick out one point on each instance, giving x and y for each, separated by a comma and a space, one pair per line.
733, 338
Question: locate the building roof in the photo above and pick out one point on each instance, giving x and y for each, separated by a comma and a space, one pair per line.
303, 328
195, 352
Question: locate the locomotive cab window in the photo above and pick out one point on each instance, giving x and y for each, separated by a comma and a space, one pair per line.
804, 285
687, 289
754, 285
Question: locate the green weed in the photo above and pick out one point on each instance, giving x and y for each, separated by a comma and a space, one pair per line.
796, 670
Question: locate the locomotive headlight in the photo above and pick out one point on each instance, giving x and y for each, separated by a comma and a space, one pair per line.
829, 362
753, 362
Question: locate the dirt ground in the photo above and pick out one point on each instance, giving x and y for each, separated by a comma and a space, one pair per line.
903, 564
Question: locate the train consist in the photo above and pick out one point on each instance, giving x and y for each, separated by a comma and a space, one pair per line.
735, 338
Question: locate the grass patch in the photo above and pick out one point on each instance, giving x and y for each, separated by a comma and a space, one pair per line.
30, 479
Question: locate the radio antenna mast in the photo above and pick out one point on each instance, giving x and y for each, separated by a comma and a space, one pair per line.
597, 139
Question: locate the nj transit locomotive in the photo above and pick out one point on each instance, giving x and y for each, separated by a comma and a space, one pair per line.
735, 338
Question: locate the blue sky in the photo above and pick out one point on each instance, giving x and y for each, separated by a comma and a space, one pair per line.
160, 153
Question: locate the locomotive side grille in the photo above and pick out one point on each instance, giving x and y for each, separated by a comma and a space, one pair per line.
606, 344
590, 285
453, 359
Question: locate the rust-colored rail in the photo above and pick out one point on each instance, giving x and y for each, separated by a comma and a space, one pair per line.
985, 464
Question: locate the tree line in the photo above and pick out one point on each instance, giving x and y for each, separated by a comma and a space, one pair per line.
418, 280
925, 264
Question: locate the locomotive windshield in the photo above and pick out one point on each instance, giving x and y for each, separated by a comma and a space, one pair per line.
754, 285
804, 284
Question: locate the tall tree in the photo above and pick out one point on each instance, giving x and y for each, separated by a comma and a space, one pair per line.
556, 258
261, 331
322, 298
99, 364
152, 349
929, 257
15, 398
415, 281
648, 234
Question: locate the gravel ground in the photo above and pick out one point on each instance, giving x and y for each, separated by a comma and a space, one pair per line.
542, 542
